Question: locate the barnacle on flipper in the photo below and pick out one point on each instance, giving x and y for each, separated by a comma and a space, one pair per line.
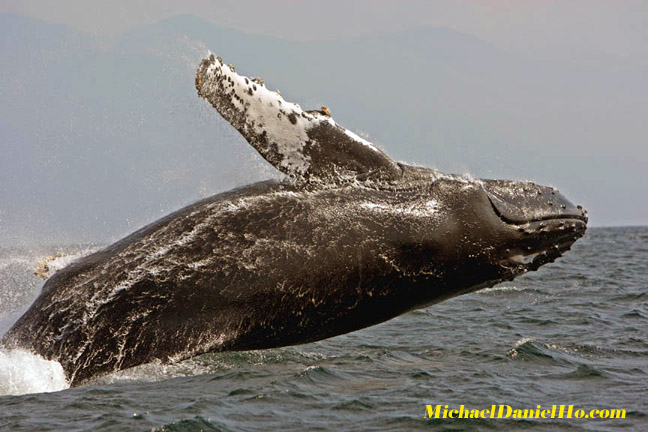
323, 111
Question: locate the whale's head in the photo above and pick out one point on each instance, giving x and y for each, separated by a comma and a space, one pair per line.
474, 233
537, 223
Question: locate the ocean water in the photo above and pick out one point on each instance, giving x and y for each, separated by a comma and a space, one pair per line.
573, 333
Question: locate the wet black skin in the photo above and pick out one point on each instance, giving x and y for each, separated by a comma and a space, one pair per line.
352, 240
294, 264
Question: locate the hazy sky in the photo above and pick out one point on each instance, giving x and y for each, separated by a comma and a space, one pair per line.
555, 94
554, 28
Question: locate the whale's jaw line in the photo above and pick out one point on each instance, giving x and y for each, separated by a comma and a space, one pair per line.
539, 223
542, 242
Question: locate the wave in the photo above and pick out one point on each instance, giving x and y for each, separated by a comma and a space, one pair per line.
211, 363
198, 423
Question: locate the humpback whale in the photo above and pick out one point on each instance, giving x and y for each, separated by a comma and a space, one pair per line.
350, 238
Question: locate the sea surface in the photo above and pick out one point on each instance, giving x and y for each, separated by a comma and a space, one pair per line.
573, 333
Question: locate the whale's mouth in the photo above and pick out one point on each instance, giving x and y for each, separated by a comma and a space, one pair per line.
543, 222
541, 242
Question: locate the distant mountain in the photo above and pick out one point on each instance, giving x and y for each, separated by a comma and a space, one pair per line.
102, 136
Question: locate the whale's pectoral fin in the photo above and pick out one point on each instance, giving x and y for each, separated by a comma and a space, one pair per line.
306, 145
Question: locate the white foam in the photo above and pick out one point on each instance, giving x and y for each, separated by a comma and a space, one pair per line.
23, 372
501, 288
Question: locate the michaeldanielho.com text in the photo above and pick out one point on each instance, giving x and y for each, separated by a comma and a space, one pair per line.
508, 412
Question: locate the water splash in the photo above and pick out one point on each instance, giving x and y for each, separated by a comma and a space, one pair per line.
23, 372
52, 264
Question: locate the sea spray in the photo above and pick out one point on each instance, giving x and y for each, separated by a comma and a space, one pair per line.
24, 372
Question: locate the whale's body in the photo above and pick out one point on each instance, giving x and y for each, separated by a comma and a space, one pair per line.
352, 240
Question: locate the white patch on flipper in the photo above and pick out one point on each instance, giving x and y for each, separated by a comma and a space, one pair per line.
285, 124
262, 111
